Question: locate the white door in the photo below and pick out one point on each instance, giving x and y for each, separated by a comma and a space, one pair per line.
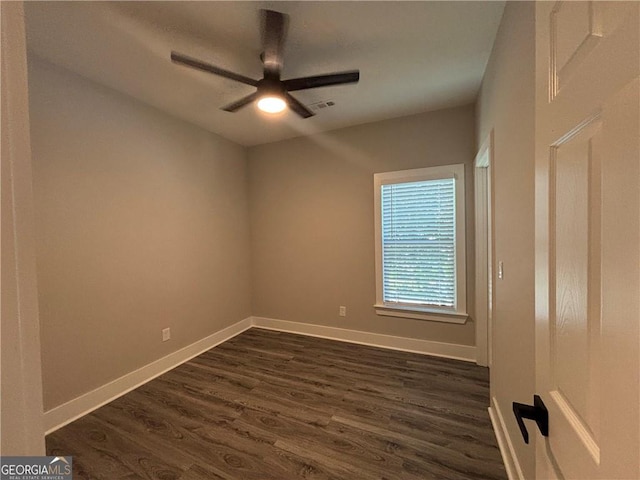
588, 238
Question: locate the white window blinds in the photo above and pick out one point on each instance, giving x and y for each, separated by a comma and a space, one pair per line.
419, 242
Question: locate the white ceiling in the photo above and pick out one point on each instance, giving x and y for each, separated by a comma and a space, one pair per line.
412, 56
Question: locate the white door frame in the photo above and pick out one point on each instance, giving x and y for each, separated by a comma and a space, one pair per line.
484, 250
22, 431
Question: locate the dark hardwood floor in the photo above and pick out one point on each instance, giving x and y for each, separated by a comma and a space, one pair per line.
270, 405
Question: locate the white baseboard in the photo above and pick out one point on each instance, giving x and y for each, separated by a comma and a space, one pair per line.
86, 403
425, 347
66, 413
509, 457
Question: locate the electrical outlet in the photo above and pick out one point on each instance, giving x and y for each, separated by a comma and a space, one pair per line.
166, 334
343, 311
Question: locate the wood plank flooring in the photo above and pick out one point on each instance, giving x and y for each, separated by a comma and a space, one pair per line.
270, 405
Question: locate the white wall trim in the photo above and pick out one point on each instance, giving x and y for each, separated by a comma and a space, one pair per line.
434, 315
511, 464
484, 249
21, 431
454, 171
424, 347
66, 413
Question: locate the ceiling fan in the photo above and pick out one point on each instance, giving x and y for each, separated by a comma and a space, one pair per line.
272, 93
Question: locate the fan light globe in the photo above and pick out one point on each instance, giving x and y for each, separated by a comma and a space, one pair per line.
272, 104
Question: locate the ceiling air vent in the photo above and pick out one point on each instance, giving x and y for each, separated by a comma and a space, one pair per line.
321, 105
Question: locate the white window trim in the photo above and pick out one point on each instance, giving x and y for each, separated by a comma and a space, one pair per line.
438, 314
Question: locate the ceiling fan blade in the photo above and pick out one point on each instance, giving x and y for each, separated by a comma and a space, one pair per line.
298, 107
237, 105
274, 35
340, 78
206, 67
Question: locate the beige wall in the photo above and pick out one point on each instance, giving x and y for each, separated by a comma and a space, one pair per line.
142, 224
506, 105
312, 234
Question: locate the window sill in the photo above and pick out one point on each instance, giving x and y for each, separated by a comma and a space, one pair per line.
421, 314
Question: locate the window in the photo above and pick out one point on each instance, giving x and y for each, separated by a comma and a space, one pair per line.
420, 244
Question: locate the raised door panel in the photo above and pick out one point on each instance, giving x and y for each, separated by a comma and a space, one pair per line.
575, 29
575, 312
588, 238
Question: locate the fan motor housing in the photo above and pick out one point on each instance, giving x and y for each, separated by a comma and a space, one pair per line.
271, 87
